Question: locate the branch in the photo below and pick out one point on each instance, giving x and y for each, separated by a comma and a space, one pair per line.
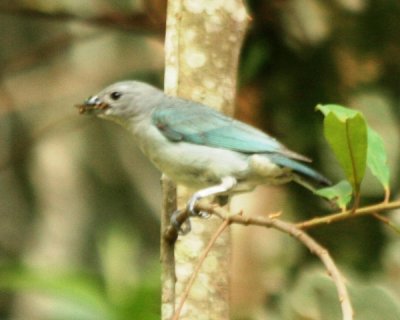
295, 231
309, 242
348, 214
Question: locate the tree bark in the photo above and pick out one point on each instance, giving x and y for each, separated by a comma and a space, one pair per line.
202, 45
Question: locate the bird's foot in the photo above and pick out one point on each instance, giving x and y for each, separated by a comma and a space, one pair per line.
181, 222
191, 209
180, 219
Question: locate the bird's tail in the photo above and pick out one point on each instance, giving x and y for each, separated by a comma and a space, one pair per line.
304, 175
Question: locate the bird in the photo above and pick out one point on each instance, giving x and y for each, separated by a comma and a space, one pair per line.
198, 146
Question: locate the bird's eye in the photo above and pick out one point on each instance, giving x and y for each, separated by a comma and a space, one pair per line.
115, 95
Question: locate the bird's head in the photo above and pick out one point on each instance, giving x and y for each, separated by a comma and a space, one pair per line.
122, 101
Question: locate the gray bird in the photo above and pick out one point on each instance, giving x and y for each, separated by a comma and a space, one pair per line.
197, 146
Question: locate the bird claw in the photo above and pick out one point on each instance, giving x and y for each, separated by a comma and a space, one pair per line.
203, 214
191, 209
180, 218
181, 222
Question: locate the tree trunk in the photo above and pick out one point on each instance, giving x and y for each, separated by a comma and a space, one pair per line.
202, 46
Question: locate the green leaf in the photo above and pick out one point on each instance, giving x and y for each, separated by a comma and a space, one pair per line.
346, 131
377, 158
340, 193
341, 112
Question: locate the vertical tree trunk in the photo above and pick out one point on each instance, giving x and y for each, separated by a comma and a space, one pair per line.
202, 45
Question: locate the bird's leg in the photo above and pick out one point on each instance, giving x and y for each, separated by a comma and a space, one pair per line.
227, 183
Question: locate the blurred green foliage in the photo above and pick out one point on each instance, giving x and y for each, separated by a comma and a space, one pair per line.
314, 297
84, 295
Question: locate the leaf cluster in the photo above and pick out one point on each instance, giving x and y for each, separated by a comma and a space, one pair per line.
356, 147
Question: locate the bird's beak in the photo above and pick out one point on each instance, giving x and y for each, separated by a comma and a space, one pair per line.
92, 105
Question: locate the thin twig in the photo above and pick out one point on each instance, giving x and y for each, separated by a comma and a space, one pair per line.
309, 242
387, 221
348, 214
387, 195
356, 204
203, 256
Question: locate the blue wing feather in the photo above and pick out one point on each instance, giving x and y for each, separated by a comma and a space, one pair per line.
301, 169
184, 120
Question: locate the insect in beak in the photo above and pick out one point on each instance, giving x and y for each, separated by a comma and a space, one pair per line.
92, 104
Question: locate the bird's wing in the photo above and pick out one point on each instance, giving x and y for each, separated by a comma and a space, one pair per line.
184, 120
